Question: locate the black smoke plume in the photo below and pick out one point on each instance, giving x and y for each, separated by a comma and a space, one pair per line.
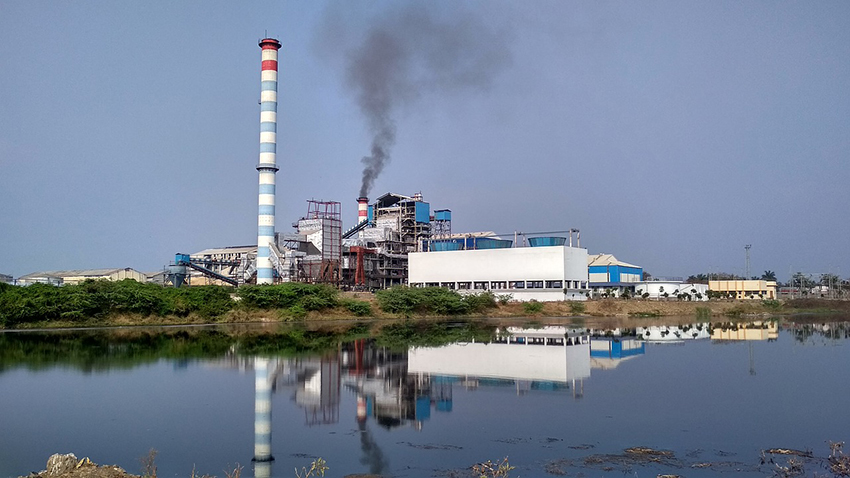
407, 53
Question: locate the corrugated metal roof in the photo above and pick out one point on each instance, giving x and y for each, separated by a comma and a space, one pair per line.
226, 250
607, 260
75, 273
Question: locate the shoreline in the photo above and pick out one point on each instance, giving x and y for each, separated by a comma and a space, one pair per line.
594, 310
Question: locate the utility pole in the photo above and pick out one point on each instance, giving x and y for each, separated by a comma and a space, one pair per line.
747, 248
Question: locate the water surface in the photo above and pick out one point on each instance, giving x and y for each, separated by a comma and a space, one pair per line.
426, 400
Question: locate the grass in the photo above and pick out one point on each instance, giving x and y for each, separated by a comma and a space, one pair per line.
652, 313
703, 312
577, 307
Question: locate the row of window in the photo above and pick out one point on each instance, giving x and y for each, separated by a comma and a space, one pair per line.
504, 285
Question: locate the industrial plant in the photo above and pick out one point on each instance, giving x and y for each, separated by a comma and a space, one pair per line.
397, 240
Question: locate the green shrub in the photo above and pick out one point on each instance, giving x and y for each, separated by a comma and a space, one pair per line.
432, 300
772, 304
297, 311
360, 308
577, 307
399, 300
284, 296
503, 299
480, 302
532, 307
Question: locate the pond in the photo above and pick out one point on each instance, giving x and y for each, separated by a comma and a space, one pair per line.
430, 399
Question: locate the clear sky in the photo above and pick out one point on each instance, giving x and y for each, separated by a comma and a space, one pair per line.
670, 133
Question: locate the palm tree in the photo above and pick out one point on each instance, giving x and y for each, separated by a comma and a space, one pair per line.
768, 275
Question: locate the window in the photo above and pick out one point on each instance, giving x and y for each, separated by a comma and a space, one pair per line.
432, 284
480, 286
517, 284
464, 285
554, 284
448, 285
498, 285
535, 284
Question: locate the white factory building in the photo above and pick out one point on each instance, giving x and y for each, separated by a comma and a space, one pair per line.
539, 271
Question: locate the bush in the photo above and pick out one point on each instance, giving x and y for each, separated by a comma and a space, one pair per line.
772, 304
432, 300
287, 295
359, 308
207, 301
532, 307
480, 302
577, 307
399, 300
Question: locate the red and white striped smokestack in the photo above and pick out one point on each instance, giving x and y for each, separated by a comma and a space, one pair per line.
362, 209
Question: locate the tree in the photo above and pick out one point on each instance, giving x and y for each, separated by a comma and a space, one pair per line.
801, 280
698, 279
768, 275
646, 275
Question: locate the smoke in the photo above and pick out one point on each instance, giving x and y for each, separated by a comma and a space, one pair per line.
406, 54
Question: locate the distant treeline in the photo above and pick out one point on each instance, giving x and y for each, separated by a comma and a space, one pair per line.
94, 300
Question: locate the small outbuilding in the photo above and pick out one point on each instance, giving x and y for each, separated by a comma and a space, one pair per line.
608, 275
79, 275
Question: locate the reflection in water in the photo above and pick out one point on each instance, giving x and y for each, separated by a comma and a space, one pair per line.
818, 333
262, 419
675, 333
750, 331
412, 385
547, 358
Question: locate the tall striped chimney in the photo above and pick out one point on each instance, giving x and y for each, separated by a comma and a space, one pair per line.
268, 161
362, 209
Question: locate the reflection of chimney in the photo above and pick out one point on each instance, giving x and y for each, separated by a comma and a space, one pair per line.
262, 414
362, 209
361, 408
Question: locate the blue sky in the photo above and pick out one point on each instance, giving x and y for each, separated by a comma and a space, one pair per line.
670, 133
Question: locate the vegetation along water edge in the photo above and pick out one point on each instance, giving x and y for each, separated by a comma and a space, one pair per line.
127, 302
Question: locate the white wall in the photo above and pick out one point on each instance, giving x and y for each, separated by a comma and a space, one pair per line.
551, 263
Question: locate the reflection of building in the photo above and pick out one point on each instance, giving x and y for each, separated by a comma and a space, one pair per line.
608, 352
546, 358
318, 391
745, 289
385, 390
316, 384
751, 331
674, 333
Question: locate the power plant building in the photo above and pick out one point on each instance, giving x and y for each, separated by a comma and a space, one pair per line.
547, 269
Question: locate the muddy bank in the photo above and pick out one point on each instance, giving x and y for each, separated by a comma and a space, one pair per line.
69, 466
